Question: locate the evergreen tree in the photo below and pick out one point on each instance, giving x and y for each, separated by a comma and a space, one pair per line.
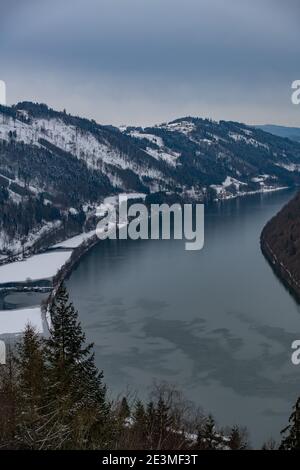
150, 425
139, 427
237, 440
32, 385
291, 441
124, 411
163, 424
8, 402
139, 414
76, 384
208, 437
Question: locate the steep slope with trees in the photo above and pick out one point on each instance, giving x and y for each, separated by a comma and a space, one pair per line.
55, 167
280, 242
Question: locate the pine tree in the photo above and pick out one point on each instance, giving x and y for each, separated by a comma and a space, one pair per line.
163, 424
237, 440
150, 426
158, 424
208, 437
139, 428
139, 414
8, 401
291, 441
32, 384
76, 384
124, 410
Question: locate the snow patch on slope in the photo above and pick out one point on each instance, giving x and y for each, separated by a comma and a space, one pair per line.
154, 139
229, 181
82, 144
164, 154
289, 166
247, 140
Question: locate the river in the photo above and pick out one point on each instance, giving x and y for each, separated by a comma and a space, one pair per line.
216, 323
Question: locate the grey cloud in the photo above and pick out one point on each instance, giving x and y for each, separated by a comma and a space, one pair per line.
139, 61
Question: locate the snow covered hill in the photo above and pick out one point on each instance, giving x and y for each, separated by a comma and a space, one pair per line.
222, 159
55, 168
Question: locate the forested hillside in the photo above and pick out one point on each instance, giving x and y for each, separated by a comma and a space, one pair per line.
281, 244
56, 168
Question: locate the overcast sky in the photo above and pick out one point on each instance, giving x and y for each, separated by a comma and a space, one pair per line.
149, 61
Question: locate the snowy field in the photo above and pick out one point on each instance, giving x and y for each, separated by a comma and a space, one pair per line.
15, 321
76, 241
43, 266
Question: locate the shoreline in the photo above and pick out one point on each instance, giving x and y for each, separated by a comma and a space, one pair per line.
252, 193
65, 272
280, 270
76, 256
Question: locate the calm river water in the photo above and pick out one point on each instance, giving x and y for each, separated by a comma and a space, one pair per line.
217, 323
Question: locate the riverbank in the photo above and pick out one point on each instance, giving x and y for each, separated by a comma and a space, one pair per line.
41, 273
216, 322
280, 240
263, 190
46, 271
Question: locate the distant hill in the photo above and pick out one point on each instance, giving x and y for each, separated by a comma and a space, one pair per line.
292, 133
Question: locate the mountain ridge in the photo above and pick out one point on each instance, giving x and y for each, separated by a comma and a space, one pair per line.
55, 168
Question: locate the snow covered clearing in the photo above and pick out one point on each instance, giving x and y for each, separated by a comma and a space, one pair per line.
15, 321
83, 144
185, 127
163, 155
152, 138
247, 140
221, 190
229, 181
289, 166
38, 267
76, 241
